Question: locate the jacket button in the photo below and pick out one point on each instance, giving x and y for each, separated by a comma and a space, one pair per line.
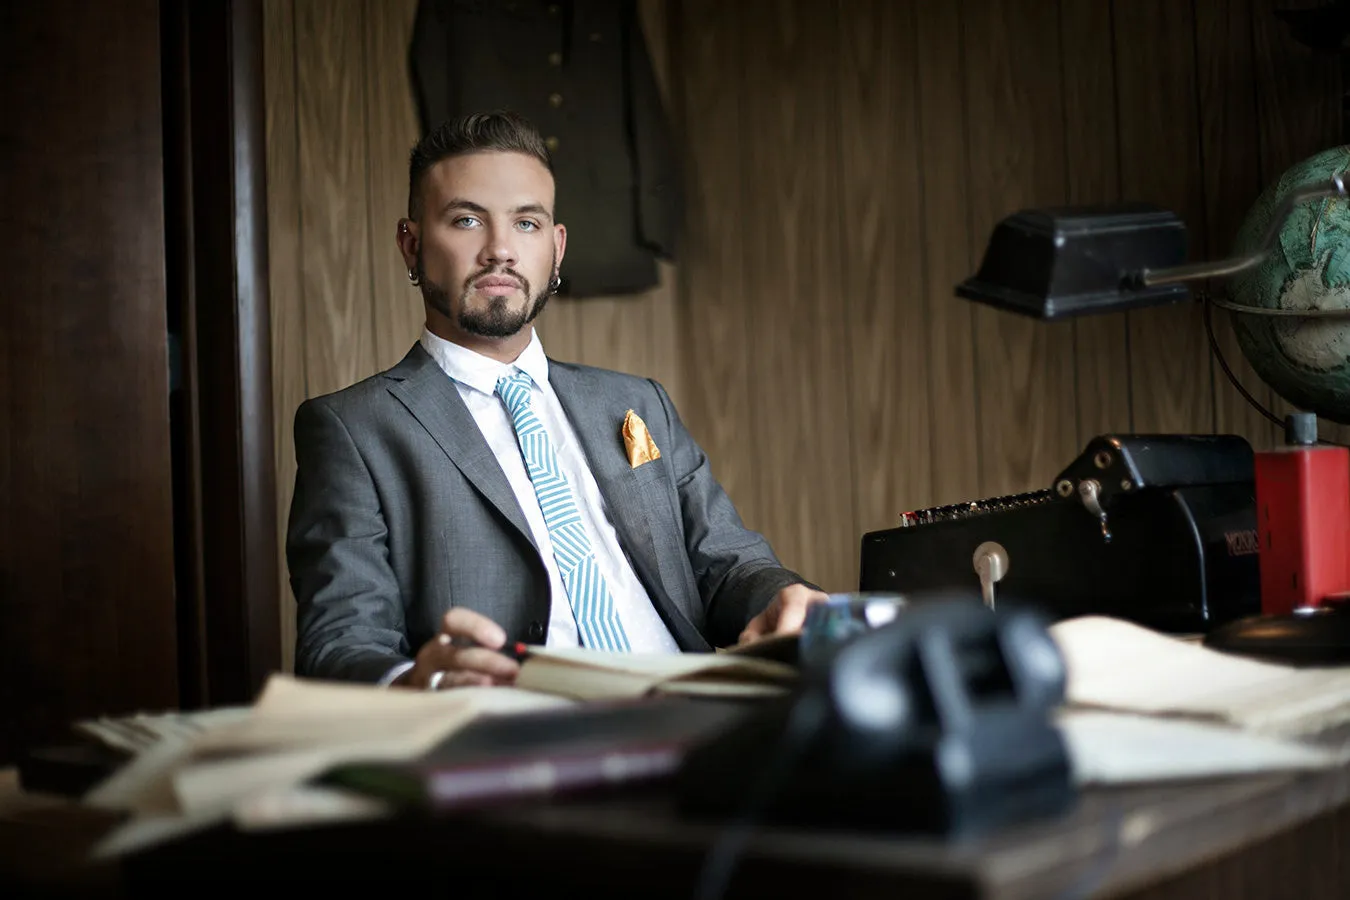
536, 630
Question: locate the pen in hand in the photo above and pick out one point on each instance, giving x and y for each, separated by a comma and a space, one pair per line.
517, 650
470, 650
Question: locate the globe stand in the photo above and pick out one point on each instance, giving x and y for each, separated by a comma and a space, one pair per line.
1303, 520
1054, 264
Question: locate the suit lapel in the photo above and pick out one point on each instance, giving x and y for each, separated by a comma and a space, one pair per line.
432, 398
598, 428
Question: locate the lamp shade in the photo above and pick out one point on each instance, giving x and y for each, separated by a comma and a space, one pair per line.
1057, 263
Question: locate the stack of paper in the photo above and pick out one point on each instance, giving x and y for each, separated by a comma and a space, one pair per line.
135, 733
1113, 664
253, 768
251, 764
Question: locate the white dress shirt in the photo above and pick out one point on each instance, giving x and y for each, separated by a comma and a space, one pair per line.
475, 377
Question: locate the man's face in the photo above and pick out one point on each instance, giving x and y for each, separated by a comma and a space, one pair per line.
487, 245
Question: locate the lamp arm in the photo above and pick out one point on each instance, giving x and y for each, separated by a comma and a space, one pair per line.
1235, 264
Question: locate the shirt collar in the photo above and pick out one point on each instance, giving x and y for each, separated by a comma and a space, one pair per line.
482, 372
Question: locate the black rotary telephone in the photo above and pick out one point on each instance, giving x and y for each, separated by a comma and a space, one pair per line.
939, 722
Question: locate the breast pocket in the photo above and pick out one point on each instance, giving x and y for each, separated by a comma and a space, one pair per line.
660, 503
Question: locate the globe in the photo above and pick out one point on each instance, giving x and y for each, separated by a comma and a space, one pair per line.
1305, 360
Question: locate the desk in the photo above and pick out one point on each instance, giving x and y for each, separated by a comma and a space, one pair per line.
43, 842
1271, 836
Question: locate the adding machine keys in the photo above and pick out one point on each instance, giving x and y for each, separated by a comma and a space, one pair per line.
1155, 529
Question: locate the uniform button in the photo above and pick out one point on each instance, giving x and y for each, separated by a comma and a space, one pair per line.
536, 630
555, 100
555, 59
551, 143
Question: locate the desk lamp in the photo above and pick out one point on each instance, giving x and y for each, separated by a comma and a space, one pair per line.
1055, 264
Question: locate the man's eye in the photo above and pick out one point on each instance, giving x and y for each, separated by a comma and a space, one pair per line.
466, 222
527, 225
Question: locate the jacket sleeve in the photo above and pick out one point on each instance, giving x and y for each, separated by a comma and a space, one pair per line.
655, 163
736, 570
349, 615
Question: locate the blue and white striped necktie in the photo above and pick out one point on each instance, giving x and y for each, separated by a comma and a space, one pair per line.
597, 619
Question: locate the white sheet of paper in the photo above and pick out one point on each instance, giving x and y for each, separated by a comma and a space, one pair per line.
1108, 748
306, 805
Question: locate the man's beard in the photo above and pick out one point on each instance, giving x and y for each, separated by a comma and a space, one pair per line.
498, 320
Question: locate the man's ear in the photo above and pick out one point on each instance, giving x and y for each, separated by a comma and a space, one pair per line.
559, 244
407, 236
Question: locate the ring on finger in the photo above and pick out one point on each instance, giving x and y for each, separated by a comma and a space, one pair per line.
434, 682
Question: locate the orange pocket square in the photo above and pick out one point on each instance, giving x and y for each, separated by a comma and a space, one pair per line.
638, 441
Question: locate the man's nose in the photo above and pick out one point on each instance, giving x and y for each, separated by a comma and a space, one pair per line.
499, 250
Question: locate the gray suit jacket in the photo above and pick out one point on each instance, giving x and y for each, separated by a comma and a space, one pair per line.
401, 512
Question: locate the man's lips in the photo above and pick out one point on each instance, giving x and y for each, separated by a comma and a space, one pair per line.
497, 285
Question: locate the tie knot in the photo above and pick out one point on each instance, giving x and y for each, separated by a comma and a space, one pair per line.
514, 389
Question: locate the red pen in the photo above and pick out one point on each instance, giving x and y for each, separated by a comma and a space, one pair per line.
517, 650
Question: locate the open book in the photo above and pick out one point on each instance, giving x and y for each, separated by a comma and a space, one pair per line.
597, 675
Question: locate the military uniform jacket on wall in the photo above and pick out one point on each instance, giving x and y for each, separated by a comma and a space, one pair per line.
581, 73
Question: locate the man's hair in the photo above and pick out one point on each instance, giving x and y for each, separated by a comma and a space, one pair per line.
501, 130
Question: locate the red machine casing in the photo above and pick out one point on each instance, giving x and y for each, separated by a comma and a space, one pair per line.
1303, 520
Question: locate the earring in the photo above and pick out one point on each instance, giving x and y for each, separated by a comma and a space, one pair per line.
555, 283
412, 277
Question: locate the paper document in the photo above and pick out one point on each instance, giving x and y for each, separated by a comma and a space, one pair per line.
253, 768
293, 712
1109, 749
1118, 665
134, 733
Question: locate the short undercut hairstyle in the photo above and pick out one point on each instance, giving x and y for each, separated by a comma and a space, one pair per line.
501, 131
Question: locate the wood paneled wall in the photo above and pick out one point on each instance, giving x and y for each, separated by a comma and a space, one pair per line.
87, 607
844, 163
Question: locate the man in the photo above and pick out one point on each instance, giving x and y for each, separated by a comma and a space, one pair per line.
478, 491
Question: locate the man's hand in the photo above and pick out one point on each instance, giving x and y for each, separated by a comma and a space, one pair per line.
465, 651
785, 613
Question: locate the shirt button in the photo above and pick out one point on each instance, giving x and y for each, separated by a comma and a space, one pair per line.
555, 59
551, 143
536, 630
555, 100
